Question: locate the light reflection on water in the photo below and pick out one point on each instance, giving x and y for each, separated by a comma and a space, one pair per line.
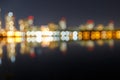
53, 56
28, 45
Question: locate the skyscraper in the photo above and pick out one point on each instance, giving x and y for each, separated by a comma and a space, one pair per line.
9, 20
111, 25
90, 25
63, 24
0, 19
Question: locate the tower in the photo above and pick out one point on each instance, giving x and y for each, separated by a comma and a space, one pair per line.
90, 25
9, 21
63, 24
111, 25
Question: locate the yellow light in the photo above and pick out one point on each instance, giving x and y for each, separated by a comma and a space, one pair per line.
79, 35
95, 35
10, 33
10, 40
17, 34
100, 42
118, 34
92, 35
18, 40
103, 35
109, 34
86, 35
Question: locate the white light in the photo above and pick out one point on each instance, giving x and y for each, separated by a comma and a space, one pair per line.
67, 32
62, 38
13, 59
31, 39
38, 39
67, 38
28, 33
38, 33
75, 33
56, 38
10, 14
75, 38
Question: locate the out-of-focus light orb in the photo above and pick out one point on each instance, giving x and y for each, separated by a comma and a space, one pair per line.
38, 39
13, 59
100, 42
118, 34
10, 14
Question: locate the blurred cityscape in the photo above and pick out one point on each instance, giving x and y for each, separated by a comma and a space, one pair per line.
81, 32
51, 36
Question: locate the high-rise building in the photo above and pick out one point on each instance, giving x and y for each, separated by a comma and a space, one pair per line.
90, 25
0, 19
30, 20
9, 21
63, 24
111, 25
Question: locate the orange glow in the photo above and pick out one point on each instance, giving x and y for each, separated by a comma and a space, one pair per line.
103, 35
79, 35
95, 35
109, 34
86, 35
117, 34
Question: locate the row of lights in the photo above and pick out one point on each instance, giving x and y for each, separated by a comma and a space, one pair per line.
69, 35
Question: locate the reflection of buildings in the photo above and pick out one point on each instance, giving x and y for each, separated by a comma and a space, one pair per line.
11, 53
32, 47
1, 53
63, 47
90, 25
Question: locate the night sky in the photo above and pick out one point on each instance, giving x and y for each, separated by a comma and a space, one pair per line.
76, 11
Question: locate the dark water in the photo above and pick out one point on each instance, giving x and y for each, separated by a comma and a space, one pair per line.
73, 62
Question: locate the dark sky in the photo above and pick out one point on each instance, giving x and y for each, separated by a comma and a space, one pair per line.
75, 11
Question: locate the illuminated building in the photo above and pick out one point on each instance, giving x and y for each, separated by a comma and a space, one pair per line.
63, 24
52, 26
86, 35
9, 20
22, 25
90, 25
80, 35
30, 20
0, 20
111, 25
82, 27
95, 35
100, 27
117, 34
